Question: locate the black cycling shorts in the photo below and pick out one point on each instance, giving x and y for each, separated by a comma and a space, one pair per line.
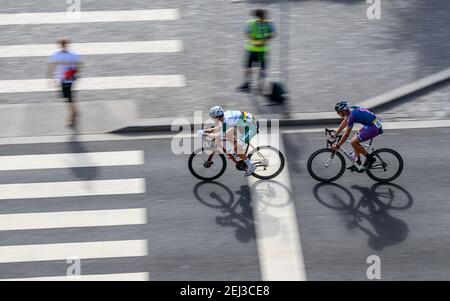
67, 91
254, 58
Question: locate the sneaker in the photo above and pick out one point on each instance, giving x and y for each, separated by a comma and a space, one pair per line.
250, 168
244, 88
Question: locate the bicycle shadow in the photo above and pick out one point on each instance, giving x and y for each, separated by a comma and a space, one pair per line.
374, 208
238, 206
238, 212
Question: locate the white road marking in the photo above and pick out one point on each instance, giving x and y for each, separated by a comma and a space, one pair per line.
153, 136
30, 50
391, 125
277, 234
96, 83
95, 277
89, 16
82, 250
71, 160
67, 219
71, 188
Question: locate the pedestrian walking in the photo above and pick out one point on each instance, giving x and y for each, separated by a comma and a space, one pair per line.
64, 67
259, 32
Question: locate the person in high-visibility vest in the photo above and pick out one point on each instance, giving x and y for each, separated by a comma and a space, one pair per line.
259, 32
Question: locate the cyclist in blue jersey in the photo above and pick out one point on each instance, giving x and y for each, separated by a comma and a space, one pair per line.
371, 128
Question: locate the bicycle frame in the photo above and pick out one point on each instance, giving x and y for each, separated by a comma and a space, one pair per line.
368, 147
248, 145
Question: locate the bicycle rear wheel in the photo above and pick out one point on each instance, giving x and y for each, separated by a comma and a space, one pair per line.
207, 172
268, 160
326, 167
387, 167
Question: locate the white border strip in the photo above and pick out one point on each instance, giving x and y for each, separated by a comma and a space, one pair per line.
89, 17
277, 233
31, 50
68, 219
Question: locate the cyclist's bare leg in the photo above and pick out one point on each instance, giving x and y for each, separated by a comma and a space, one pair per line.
357, 147
231, 138
240, 151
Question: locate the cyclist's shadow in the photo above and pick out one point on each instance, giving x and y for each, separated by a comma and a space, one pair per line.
238, 213
374, 207
239, 207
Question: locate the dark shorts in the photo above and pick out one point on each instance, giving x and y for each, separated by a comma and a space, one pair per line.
368, 132
67, 91
254, 58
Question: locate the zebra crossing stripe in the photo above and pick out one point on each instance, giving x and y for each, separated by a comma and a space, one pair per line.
71, 189
89, 17
67, 219
64, 251
96, 83
71, 160
95, 277
31, 50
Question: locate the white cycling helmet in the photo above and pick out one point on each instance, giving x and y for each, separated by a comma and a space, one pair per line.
216, 111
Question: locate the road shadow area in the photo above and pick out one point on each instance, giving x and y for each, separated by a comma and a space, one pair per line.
238, 207
373, 213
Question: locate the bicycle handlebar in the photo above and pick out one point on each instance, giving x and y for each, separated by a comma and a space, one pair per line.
330, 142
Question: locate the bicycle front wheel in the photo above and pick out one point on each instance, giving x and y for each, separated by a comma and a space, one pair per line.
387, 167
268, 160
326, 167
206, 167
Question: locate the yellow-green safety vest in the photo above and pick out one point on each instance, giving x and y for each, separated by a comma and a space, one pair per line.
258, 31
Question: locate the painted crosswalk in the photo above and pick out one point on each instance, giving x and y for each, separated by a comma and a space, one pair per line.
98, 248
97, 81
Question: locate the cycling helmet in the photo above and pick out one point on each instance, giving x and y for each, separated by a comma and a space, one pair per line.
340, 106
216, 111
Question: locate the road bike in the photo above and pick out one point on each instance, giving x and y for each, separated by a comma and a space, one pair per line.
326, 165
209, 162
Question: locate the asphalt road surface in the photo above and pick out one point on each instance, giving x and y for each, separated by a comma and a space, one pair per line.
158, 222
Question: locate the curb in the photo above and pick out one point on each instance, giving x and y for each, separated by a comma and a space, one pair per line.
377, 103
